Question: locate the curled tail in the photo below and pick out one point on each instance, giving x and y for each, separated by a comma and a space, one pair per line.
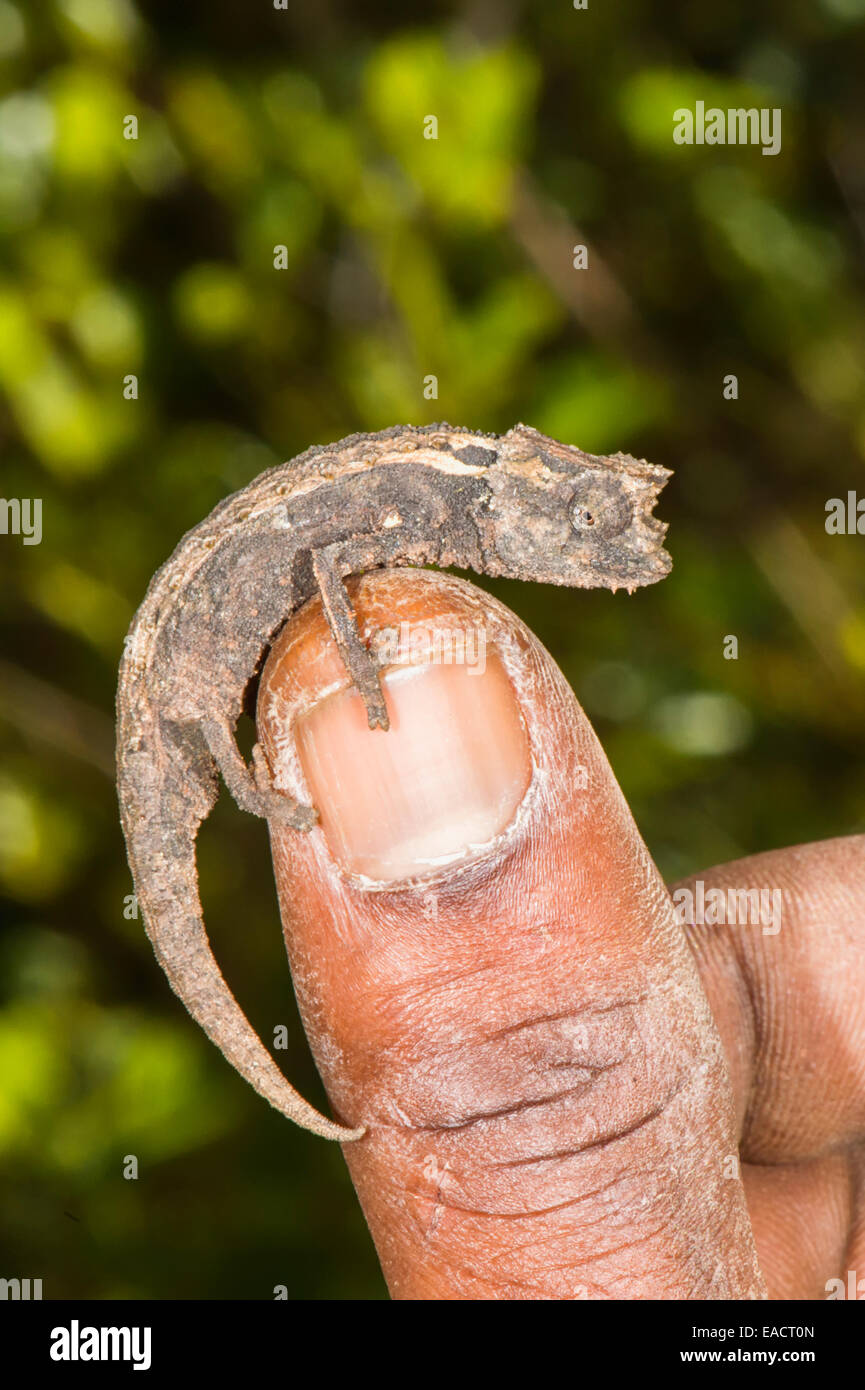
166, 789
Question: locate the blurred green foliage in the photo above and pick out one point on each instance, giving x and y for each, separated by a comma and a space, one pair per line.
403, 257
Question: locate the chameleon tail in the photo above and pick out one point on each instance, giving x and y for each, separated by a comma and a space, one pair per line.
162, 858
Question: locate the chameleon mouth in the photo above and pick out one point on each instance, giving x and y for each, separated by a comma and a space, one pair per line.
647, 566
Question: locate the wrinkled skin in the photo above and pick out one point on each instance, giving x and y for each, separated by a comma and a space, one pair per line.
555, 1076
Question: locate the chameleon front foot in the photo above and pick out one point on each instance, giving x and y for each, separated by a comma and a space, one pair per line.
372, 695
343, 625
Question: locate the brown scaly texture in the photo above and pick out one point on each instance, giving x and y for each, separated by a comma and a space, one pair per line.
519, 505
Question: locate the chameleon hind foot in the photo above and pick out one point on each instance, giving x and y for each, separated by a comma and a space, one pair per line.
253, 790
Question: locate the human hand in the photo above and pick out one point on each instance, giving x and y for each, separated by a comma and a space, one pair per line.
566, 1092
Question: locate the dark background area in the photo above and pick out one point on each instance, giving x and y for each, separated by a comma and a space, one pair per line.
405, 257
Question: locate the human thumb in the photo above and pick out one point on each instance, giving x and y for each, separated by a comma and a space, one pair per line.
490, 971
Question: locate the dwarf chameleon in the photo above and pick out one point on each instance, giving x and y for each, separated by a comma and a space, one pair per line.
519, 505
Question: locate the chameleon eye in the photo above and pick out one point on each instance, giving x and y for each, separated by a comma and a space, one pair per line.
581, 518
599, 511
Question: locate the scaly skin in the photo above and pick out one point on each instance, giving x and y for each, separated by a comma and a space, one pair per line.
519, 505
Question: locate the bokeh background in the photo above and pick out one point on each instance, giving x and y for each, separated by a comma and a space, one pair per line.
404, 257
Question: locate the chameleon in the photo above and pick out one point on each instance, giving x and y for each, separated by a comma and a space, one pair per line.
519, 505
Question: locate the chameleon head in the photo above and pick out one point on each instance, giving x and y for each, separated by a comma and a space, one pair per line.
561, 516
